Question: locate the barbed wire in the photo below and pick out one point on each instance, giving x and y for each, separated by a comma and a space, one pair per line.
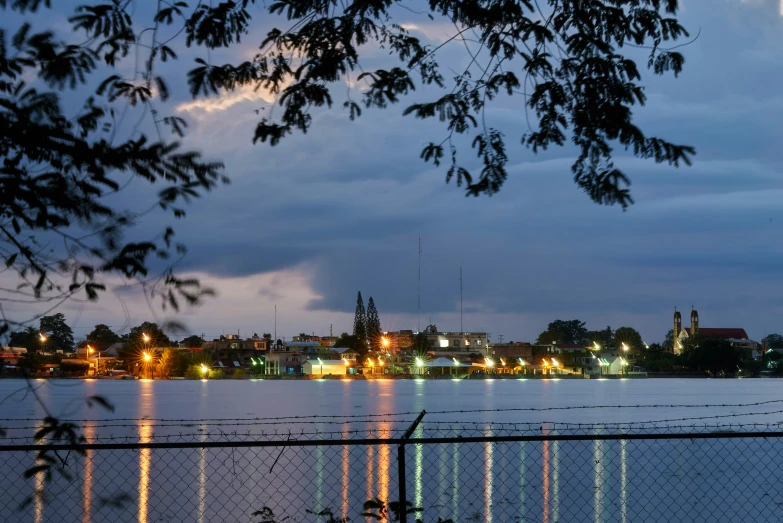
415, 413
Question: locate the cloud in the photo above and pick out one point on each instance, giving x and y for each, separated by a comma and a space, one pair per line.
247, 93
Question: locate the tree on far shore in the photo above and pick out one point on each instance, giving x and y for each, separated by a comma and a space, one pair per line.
561, 331
373, 324
360, 319
102, 337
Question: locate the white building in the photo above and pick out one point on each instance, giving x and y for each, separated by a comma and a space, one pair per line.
324, 367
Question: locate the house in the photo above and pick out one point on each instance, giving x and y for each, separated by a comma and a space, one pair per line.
310, 347
736, 336
283, 362
346, 354
511, 350
451, 342
231, 347
11, 355
324, 367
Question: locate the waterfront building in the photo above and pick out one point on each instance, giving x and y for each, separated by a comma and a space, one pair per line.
321, 367
280, 362
232, 348
448, 343
736, 336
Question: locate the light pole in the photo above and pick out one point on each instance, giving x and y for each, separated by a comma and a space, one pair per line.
43, 341
204, 370
322, 366
90, 350
148, 360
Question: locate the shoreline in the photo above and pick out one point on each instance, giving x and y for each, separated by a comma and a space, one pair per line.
362, 377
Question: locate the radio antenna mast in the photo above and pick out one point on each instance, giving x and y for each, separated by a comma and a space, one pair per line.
418, 323
461, 329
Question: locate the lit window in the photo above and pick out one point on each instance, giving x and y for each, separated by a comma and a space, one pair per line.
478, 342
467, 342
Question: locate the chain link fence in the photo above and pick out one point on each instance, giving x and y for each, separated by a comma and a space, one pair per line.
450, 470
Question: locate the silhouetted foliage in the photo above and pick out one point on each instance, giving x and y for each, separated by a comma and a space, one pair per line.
604, 338
562, 331
711, 355
629, 336
774, 341
102, 337
360, 319
157, 338
373, 324
62, 160
192, 341
27, 338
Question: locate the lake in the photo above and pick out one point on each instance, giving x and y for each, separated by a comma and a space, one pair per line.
628, 480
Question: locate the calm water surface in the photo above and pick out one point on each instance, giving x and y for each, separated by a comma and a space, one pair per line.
520, 481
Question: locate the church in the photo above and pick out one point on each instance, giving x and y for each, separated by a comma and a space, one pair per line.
736, 336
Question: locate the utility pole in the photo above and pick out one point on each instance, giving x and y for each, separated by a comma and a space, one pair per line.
274, 342
461, 329
500, 339
418, 323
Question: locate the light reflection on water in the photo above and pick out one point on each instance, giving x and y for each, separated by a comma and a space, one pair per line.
89, 435
145, 459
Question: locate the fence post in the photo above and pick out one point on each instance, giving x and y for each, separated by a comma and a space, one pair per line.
401, 467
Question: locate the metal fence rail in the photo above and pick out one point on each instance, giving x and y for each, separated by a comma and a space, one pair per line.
477, 475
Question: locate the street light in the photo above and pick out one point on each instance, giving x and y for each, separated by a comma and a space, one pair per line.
625, 347
204, 369
43, 341
90, 350
322, 366
148, 359
385, 342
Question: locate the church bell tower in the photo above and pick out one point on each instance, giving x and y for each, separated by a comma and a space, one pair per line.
677, 324
694, 321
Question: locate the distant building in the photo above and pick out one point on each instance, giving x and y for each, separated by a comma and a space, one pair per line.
324, 367
736, 336
231, 348
283, 362
512, 350
11, 355
347, 354
445, 343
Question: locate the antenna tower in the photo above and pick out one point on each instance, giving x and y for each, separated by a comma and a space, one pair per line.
418, 322
461, 329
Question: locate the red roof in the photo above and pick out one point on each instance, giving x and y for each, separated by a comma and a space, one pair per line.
721, 333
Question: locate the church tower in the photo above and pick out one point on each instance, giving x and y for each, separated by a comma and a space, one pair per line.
694, 322
677, 324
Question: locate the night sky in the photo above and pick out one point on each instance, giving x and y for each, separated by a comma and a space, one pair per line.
307, 224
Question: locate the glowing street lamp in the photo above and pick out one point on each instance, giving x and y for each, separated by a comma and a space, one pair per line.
148, 360
145, 337
456, 362
90, 350
322, 366
385, 342
596, 346
204, 369
489, 362
43, 339
625, 347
